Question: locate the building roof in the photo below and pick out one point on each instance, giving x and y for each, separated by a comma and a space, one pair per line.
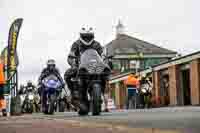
125, 44
177, 61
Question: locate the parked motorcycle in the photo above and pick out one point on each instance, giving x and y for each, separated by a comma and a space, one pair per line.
146, 89
91, 79
52, 87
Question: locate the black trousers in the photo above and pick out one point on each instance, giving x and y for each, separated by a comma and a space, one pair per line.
69, 74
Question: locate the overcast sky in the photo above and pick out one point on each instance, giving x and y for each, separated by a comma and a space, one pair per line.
50, 26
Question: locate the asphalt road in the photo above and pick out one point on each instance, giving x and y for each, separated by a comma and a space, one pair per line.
167, 118
163, 120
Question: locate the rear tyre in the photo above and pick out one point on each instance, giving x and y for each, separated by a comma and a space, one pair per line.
96, 99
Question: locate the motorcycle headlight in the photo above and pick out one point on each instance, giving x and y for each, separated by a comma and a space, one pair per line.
30, 97
144, 91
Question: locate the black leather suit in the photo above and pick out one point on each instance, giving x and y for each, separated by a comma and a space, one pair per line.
77, 48
46, 72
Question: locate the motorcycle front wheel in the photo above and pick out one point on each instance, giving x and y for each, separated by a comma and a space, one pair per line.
30, 108
96, 99
51, 104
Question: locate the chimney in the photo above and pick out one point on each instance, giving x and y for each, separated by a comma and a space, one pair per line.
119, 28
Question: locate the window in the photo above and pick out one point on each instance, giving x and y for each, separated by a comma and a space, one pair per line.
116, 65
124, 65
151, 62
142, 64
134, 64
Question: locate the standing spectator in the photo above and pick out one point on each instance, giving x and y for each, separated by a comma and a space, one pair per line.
106, 97
2, 84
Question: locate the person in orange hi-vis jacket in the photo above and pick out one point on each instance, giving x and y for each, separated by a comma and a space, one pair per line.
2, 78
2, 83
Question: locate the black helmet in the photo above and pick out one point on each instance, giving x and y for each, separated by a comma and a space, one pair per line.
87, 36
21, 87
51, 64
29, 83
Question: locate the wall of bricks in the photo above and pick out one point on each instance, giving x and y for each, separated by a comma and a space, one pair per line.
174, 84
117, 95
156, 80
175, 87
195, 82
156, 87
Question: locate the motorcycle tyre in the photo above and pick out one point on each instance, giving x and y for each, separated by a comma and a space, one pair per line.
51, 106
96, 99
30, 109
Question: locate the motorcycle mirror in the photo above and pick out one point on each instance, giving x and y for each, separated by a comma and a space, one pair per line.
72, 56
103, 55
110, 64
110, 57
107, 57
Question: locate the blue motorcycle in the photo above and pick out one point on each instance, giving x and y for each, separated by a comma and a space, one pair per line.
52, 88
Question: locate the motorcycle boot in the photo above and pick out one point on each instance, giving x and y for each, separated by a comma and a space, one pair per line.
75, 94
72, 83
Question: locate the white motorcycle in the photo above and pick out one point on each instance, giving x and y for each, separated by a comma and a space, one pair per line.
146, 92
28, 102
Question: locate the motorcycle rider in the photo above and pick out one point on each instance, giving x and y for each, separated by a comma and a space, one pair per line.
25, 89
85, 41
29, 87
50, 69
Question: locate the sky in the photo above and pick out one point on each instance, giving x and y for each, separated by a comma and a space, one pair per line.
51, 26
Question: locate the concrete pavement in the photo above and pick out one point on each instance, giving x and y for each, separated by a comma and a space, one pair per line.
32, 125
177, 117
184, 119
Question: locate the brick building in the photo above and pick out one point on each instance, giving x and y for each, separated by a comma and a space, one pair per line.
131, 55
183, 76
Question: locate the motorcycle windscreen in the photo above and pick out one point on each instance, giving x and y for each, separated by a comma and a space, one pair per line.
89, 56
91, 61
52, 82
